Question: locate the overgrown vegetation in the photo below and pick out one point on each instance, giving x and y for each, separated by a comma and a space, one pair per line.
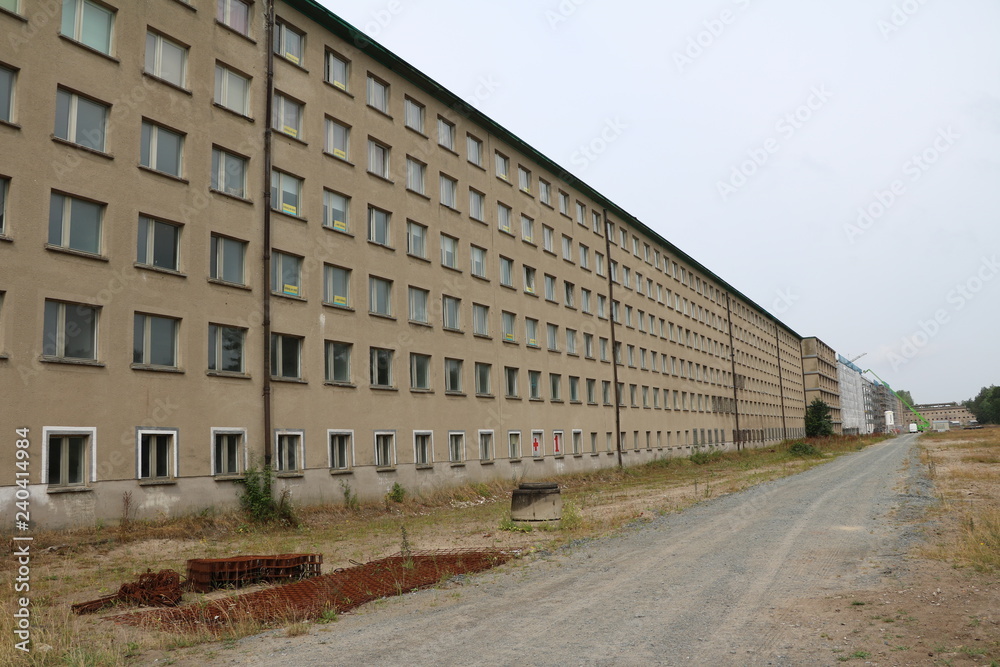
803, 449
396, 494
986, 405
257, 499
702, 457
819, 423
350, 497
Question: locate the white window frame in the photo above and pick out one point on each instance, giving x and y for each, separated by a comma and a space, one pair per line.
414, 114
286, 116
77, 21
511, 453
430, 447
60, 333
539, 436
173, 455
348, 451
377, 94
490, 453
158, 42
76, 135
243, 457
299, 453
90, 452
332, 56
379, 463
147, 335
451, 451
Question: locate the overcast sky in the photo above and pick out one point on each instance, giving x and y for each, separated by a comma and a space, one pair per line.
836, 162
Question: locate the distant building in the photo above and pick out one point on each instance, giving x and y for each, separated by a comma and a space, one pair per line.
950, 412
819, 371
856, 399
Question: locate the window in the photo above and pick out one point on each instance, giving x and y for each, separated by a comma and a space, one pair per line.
503, 166
552, 337
503, 218
380, 296
599, 263
286, 116
381, 367
286, 352
474, 147
564, 203
416, 239
336, 210
225, 348
227, 452
75, 223
286, 274
527, 229
154, 341
414, 115
80, 120
548, 238
456, 447
161, 149
569, 296
288, 447
484, 385
67, 459
4, 187
338, 361
584, 256
508, 324
588, 345
378, 94
506, 272
157, 243
166, 60
510, 381
449, 191
555, 386
341, 449
156, 454
229, 173
486, 445
70, 331
288, 42
535, 385
227, 259
570, 341
514, 444
88, 23
416, 172
378, 226
450, 311
545, 191
337, 70
591, 390
480, 319
523, 179
602, 306
234, 14
477, 261
423, 447
606, 397
385, 449
453, 375
286, 193
418, 305
7, 77
338, 139
420, 371
585, 299
449, 251
596, 222
581, 213
477, 205
378, 158
446, 134
531, 331
567, 248
550, 287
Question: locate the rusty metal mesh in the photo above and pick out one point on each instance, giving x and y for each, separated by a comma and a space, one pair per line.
339, 591
159, 589
205, 574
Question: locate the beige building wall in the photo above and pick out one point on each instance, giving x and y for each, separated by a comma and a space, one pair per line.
819, 369
695, 356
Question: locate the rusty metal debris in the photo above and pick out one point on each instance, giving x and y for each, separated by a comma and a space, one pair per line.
160, 589
205, 574
339, 591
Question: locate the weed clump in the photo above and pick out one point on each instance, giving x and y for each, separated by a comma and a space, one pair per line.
803, 449
700, 458
396, 494
257, 499
350, 497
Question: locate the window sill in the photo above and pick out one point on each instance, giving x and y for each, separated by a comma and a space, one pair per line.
422, 259
558, 457
278, 378
381, 316
513, 398
71, 362
229, 195
226, 283
235, 31
291, 137
487, 463
79, 147
420, 390
334, 306
381, 245
448, 150
451, 208
229, 374
339, 159
339, 89
451, 268
532, 294
454, 331
526, 192
378, 387
156, 369
416, 131
490, 396
289, 475
548, 252
476, 165
7, 123
169, 84
159, 269
457, 464
89, 48
158, 482
416, 192
346, 385
6, 239
293, 216
536, 400
417, 323
538, 459
229, 478
530, 242
514, 460
547, 205
68, 489
510, 342
556, 400
341, 471
379, 111
482, 336
290, 297
286, 59
7, 12
480, 221
505, 181
424, 466
331, 228
385, 469
506, 231
454, 393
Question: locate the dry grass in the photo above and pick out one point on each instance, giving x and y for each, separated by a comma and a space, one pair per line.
87, 563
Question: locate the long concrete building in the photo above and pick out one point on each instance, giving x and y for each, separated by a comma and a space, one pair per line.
228, 241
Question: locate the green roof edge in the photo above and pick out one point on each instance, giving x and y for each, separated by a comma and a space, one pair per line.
363, 42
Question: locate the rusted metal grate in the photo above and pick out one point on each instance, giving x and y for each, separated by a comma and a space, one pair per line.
205, 574
160, 589
339, 591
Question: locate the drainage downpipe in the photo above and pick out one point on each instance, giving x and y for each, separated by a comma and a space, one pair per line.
614, 360
732, 359
266, 255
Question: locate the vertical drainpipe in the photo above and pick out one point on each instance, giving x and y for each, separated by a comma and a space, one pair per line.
266, 256
781, 386
614, 361
732, 359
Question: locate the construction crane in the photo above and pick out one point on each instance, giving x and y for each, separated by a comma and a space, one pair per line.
924, 424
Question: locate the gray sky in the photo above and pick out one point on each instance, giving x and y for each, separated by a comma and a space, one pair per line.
835, 162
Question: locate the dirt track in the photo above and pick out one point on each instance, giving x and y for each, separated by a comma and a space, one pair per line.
706, 586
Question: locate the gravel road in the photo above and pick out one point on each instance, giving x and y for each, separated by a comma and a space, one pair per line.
695, 588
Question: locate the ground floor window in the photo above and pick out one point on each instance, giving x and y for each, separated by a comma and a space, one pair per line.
423, 447
340, 449
385, 445
227, 452
68, 457
288, 452
514, 444
157, 454
456, 446
486, 445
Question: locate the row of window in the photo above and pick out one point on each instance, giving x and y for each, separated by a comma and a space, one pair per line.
70, 452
